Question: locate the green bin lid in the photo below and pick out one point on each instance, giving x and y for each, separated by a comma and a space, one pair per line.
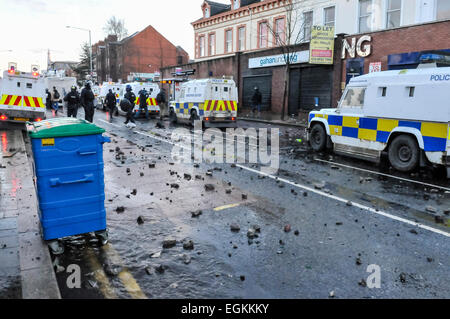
62, 127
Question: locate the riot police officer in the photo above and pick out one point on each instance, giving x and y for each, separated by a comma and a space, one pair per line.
87, 101
130, 96
73, 100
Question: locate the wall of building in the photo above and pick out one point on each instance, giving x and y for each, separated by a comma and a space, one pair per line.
147, 52
237, 66
424, 37
250, 17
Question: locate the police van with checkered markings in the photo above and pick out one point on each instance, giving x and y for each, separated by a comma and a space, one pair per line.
212, 101
22, 96
404, 114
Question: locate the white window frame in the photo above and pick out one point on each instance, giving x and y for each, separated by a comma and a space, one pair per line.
200, 38
230, 42
241, 40
324, 15
358, 12
386, 13
435, 9
304, 37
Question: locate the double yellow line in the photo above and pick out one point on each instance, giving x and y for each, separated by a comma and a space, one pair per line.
128, 281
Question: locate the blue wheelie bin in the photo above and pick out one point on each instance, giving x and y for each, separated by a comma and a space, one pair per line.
68, 163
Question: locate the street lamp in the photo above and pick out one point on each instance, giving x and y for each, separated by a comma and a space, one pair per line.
90, 45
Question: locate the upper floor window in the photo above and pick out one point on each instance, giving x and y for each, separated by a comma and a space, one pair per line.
228, 41
329, 15
394, 10
365, 16
443, 9
307, 25
280, 31
235, 4
263, 35
212, 44
241, 39
201, 41
207, 14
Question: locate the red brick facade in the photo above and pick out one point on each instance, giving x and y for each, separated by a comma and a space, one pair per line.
144, 52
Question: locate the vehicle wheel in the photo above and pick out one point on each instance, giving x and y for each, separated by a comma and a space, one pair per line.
404, 153
173, 117
318, 139
194, 117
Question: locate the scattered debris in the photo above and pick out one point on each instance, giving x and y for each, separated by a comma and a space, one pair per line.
402, 277
189, 245
413, 231
140, 220
186, 259
358, 261
362, 283
235, 227
319, 185
175, 185
296, 233
287, 228
134, 192
431, 209
244, 196
187, 177
331, 294
209, 187
169, 243
251, 233
120, 209
196, 213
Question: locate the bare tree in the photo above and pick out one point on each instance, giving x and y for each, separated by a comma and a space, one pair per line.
116, 27
295, 30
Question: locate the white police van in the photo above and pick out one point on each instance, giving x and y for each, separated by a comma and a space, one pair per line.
404, 114
22, 96
152, 90
104, 90
212, 101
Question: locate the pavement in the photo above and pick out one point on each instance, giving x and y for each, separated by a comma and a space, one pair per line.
26, 269
268, 117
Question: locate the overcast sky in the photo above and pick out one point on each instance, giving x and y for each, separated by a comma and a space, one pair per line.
30, 27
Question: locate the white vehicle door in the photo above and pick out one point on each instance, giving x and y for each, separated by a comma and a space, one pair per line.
344, 125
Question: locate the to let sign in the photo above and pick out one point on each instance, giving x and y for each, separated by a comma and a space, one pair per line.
321, 45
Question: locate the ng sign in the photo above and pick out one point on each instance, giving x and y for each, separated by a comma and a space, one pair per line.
357, 47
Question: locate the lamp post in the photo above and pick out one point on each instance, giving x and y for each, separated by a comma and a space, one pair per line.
90, 46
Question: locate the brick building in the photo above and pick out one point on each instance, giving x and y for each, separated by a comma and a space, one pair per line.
146, 51
371, 35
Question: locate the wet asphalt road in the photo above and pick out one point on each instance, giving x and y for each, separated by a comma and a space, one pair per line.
326, 253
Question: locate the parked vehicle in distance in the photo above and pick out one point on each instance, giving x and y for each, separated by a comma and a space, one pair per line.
403, 114
22, 97
151, 88
212, 101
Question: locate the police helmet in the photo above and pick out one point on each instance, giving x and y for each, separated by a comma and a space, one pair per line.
128, 88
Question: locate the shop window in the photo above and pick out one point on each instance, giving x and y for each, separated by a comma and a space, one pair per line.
365, 16
394, 11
